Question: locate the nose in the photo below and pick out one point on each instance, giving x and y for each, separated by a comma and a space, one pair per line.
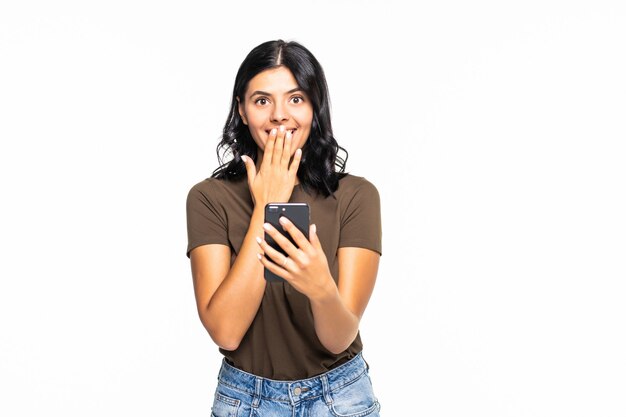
279, 113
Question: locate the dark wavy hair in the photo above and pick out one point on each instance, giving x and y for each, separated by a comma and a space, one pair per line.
320, 167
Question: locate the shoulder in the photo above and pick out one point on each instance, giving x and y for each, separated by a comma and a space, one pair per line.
213, 187
350, 185
206, 186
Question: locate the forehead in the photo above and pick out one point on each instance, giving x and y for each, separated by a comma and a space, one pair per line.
275, 81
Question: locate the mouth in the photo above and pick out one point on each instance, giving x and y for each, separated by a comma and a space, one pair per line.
286, 130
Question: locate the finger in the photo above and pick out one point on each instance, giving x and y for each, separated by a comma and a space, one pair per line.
269, 149
301, 240
315, 240
274, 268
284, 160
293, 168
278, 146
250, 168
282, 241
271, 253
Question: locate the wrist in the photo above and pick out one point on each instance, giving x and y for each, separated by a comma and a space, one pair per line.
327, 295
259, 209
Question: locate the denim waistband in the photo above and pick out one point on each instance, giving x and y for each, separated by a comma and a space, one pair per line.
293, 391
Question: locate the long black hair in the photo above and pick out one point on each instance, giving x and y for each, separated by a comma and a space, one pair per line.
320, 167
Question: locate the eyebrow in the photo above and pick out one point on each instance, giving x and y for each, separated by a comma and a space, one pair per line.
264, 93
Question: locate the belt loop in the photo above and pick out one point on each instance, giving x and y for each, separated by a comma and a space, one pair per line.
326, 390
367, 365
221, 371
257, 392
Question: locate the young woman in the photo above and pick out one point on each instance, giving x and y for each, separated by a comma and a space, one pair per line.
290, 348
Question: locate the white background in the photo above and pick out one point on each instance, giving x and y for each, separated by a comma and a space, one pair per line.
494, 131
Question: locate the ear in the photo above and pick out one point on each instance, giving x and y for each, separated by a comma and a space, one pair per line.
242, 113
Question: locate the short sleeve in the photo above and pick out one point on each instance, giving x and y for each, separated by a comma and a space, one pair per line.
206, 218
361, 219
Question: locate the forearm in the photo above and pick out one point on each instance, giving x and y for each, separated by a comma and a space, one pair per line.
236, 301
336, 326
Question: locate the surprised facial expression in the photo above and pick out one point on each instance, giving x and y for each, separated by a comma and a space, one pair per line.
273, 98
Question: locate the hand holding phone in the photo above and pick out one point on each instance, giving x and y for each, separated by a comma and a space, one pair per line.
298, 214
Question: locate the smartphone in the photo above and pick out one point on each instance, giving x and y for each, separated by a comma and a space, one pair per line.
298, 214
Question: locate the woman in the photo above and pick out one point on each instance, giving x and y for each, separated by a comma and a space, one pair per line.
291, 347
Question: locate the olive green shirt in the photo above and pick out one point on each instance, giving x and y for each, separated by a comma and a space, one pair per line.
281, 342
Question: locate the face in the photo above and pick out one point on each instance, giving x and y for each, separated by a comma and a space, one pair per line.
273, 98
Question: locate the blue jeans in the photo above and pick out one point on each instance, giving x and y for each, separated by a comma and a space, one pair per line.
345, 391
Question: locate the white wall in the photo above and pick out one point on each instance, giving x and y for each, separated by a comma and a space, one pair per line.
494, 132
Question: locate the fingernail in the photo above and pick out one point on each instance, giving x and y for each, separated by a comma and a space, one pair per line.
258, 239
282, 128
299, 152
288, 135
267, 226
258, 255
314, 227
274, 131
282, 220
244, 158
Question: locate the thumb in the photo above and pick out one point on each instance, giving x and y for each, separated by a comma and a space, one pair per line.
250, 168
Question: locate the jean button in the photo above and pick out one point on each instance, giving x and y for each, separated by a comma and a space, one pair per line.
297, 391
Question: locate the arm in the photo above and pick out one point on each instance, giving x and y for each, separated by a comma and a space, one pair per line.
338, 313
229, 298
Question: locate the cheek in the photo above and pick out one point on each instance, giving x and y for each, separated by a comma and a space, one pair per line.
254, 115
259, 139
255, 120
304, 118
255, 126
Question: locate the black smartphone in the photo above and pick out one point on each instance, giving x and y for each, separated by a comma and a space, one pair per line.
298, 214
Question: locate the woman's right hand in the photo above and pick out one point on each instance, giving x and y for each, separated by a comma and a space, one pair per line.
274, 181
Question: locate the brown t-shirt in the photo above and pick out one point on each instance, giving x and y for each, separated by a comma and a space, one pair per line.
281, 342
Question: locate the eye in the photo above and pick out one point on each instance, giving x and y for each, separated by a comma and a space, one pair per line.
297, 99
261, 100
